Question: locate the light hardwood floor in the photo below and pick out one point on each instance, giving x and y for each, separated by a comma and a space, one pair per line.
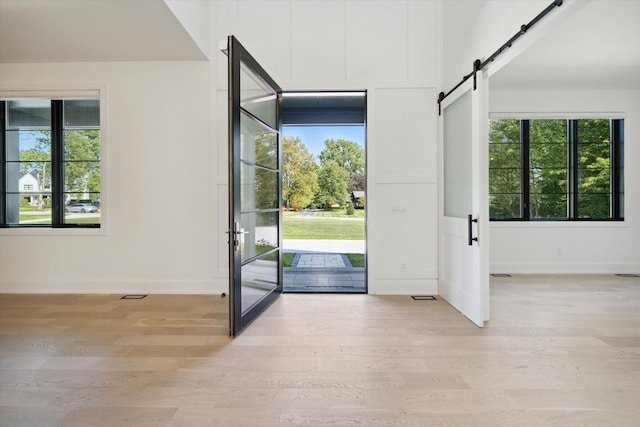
559, 351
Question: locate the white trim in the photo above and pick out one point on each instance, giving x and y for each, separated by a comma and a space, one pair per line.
80, 91
546, 267
115, 286
50, 94
19, 230
460, 90
563, 224
557, 115
405, 287
414, 274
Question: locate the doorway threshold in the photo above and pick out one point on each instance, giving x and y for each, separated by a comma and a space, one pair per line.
323, 273
316, 280
323, 290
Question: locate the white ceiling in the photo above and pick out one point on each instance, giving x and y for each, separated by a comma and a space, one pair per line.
92, 30
596, 48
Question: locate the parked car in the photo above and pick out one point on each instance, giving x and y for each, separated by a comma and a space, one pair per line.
81, 207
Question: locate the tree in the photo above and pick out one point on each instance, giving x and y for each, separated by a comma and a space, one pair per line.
347, 154
594, 168
332, 180
299, 173
260, 181
357, 182
82, 162
549, 168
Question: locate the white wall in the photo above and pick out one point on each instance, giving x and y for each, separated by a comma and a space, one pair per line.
194, 18
157, 233
165, 183
476, 29
390, 49
562, 247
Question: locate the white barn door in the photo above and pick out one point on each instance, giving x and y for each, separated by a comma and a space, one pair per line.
464, 212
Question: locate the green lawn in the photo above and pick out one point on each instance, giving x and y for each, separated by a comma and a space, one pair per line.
287, 259
357, 260
46, 219
323, 228
85, 220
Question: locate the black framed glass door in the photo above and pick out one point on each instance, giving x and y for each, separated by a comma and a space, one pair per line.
255, 236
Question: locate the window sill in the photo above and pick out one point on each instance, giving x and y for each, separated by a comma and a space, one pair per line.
47, 231
559, 224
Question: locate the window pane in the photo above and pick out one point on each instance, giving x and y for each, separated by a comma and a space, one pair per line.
457, 157
594, 168
32, 180
28, 208
29, 113
543, 155
82, 177
620, 170
594, 205
81, 168
548, 131
82, 208
257, 97
548, 168
260, 233
82, 144
504, 206
259, 188
504, 169
31, 138
259, 279
28, 145
82, 113
258, 144
548, 205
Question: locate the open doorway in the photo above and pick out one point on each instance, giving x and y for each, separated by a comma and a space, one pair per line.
324, 191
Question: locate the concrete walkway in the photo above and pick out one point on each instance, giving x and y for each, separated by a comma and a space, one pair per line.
322, 266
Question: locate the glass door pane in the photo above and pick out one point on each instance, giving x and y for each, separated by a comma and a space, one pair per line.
255, 246
457, 157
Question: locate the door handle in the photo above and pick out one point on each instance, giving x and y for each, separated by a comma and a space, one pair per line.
236, 235
471, 220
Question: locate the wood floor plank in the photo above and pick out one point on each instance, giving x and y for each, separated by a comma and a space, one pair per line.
558, 351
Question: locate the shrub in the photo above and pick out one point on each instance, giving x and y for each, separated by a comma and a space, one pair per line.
350, 209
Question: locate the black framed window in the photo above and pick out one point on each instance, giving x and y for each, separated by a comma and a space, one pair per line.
50, 163
556, 169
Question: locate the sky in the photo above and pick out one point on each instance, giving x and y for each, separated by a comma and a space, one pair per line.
314, 136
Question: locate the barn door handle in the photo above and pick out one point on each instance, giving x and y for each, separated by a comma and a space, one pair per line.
471, 220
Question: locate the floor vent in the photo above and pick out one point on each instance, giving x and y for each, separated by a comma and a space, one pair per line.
627, 275
424, 297
500, 275
133, 297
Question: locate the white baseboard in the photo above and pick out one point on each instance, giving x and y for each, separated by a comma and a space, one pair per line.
144, 287
565, 267
403, 287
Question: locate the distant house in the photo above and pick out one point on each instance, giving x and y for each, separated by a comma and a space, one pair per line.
357, 198
30, 188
